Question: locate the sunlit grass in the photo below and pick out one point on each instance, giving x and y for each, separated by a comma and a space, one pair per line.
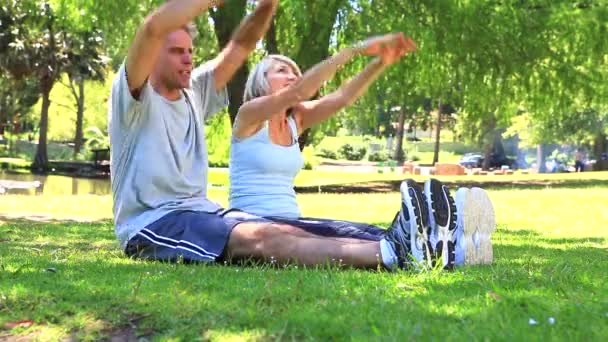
72, 281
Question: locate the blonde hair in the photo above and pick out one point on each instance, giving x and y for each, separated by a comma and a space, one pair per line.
257, 82
191, 29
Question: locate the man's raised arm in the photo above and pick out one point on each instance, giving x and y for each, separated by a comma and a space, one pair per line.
150, 36
243, 41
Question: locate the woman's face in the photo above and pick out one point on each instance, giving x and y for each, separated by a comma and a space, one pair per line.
279, 76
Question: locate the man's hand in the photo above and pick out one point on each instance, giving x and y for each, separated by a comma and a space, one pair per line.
243, 41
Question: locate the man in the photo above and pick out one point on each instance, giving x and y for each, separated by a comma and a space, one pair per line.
158, 107
579, 157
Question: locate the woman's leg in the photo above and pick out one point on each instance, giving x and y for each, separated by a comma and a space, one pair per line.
334, 228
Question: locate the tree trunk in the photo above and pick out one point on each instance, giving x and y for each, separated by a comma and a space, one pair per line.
79, 137
271, 37
498, 149
599, 149
399, 156
226, 19
316, 40
41, 161
489, 139
437, 135
599, 145
540, 159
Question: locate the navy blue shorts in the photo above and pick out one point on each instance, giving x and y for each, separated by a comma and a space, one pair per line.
188, 236
192, 236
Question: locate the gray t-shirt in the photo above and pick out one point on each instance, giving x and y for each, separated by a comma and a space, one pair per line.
159, 155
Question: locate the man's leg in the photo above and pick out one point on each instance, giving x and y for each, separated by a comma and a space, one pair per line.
190, 236
288, 244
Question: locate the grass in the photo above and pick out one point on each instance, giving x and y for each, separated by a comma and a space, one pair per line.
14, 164
70, 279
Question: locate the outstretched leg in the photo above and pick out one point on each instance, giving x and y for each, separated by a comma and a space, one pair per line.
288, 244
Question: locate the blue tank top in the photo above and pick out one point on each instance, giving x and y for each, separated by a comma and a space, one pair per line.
262, 174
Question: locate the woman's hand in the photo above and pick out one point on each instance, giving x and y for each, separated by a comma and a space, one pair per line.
390, 47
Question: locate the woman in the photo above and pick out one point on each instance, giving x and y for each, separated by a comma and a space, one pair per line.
265, 156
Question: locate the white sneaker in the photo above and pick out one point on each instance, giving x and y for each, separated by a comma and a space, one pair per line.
462, 199
408, 232
442, 222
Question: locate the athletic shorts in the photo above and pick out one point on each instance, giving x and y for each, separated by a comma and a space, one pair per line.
193, 236
188, 236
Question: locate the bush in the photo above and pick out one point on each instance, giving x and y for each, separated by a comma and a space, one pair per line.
310, 161
380, 156
218, 160
414, 158
352, 152
328, 153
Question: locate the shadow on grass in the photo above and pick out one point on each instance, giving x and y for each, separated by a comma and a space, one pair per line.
388, 186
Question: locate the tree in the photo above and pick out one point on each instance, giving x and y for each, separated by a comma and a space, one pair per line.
226, 19
16, 97
85, 62
39, 44
303, 30
34, 48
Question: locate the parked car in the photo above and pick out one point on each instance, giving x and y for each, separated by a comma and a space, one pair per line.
471, 160
475, 160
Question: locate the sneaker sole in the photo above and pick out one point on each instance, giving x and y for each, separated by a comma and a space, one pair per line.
462, 199
410, 191
479, 223
487, 224
437, 198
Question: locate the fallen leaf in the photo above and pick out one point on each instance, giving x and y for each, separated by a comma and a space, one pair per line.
22, 324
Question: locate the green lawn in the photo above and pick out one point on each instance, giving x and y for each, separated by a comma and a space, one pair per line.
71, 281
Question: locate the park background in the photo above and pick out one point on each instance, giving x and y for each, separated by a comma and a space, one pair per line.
520, 84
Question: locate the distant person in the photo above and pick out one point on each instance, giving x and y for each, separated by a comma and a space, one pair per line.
579, 158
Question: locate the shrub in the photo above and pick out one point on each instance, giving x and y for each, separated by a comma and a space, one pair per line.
380, 156
218, 160
326, 152
310, 161
352, 152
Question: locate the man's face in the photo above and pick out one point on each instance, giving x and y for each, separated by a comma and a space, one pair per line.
174, 64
